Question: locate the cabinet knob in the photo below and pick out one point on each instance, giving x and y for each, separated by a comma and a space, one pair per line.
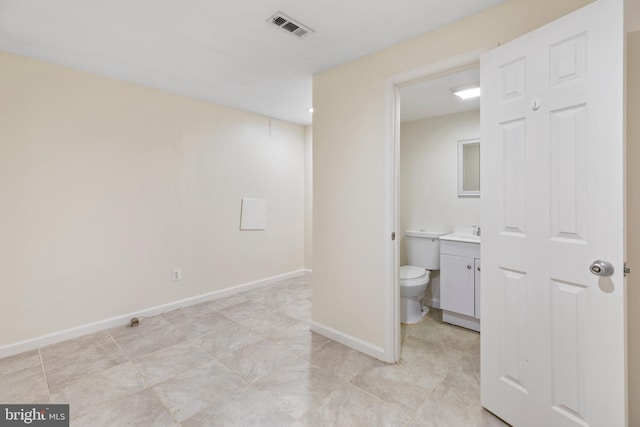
478, 268
468, 266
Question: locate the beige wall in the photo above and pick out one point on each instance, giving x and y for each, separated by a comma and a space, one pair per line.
308, 196
429, 174
633, 223
349, 161
107, 186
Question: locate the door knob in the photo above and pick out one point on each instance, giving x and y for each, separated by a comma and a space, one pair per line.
601, 268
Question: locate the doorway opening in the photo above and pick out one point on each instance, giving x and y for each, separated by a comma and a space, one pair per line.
405, 93
439, 197
431, 127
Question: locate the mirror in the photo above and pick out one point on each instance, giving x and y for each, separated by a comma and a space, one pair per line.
469, 167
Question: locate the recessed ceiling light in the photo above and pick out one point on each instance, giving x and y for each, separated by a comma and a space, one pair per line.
311, 110
467, 92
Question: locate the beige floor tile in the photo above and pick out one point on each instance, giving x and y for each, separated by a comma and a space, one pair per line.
272, 325
244, 311
430, 362
468, 367
247, 407
404, 333
298, 281
342, 361
166, 363
196, 324
435, 314
421, 368
25, 386
462, 417
96, 340
302, 341
202, 308
474, 349
73, 359
250, 359
139, 409
226, 340
431, 330
92, 390
221, 303
18, 362
284, 297
456, 401
300, 310
192, 391
297, 389
286, 330
259, 359
350, 406
487, 419
395, 385
153, 334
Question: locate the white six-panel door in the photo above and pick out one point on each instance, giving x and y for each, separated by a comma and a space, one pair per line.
552, 113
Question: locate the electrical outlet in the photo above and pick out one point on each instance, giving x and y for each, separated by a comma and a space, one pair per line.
176, 274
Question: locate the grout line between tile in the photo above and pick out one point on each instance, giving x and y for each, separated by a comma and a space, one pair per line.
44, 373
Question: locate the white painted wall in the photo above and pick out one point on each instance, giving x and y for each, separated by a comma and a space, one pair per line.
349, 164
429, 173
106, 186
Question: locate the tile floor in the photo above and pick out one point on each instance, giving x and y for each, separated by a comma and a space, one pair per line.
247, 360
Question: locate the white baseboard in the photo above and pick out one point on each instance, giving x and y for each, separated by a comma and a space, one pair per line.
461, 320
56, 337
348, 340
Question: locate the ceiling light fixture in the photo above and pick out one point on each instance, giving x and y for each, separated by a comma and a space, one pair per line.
311, 110
467, 92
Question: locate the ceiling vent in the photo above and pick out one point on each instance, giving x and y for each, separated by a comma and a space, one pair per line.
289, 25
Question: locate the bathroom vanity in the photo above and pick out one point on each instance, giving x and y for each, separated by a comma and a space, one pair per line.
460, 280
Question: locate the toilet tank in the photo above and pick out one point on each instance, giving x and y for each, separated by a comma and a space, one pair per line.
423, 248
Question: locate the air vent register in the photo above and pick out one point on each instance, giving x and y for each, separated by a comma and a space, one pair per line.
289, 25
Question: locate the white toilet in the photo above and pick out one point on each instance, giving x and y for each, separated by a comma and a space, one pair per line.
423, 254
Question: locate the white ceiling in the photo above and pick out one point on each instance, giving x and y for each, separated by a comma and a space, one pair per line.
221, 51
433, 98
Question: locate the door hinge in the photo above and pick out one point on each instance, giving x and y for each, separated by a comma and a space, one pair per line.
393, 236
626, 270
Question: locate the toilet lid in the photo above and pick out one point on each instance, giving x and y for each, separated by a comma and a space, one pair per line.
411, 272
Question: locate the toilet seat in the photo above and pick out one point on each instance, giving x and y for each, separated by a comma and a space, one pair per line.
412, 275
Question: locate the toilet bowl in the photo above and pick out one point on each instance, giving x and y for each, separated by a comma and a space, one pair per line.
423, 256
413, 283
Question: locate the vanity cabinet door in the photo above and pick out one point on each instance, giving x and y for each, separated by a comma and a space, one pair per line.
477, 286
457, 288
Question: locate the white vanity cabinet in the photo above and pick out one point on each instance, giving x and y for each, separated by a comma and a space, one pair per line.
460, 280
476, 283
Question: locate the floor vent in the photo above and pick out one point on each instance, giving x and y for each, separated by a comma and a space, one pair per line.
289, 25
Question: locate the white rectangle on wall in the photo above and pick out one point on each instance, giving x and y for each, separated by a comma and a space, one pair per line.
253, 214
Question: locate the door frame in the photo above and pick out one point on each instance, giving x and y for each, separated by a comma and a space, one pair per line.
393, 84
